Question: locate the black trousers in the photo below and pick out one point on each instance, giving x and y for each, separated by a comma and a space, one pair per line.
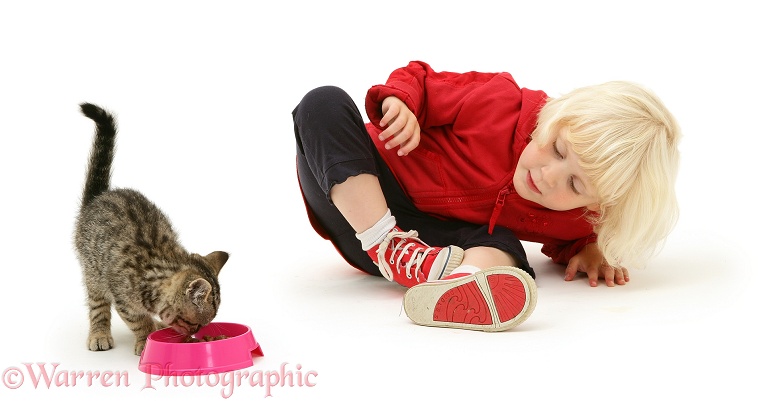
332, 145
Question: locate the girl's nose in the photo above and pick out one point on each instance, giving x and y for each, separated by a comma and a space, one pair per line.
550, 175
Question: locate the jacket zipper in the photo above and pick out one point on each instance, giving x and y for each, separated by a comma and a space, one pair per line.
498, 205
431, 201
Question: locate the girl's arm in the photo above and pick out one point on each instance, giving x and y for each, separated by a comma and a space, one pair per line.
437, 98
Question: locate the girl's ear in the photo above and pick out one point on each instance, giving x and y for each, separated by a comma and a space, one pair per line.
593, 207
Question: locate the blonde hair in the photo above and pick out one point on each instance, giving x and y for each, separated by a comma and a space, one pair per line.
627, 143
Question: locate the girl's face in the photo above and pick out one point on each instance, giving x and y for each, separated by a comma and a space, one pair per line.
551, 176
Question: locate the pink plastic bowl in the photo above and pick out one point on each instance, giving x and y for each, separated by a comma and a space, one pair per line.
166, 353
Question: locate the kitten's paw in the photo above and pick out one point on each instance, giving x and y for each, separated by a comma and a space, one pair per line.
139, 346
100, 342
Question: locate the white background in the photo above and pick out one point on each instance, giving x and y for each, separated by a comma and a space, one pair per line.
203, 93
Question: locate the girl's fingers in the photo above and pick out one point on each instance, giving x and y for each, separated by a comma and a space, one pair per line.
570, 271
593, 274
396, 139
389, 115
411, 143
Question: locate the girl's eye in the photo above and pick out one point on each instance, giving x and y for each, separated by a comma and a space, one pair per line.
555, 149
571, 184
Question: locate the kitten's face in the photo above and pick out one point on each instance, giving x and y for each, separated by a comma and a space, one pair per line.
196, 299
192, 308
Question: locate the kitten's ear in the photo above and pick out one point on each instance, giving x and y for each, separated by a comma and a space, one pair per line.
217, 259
198, 291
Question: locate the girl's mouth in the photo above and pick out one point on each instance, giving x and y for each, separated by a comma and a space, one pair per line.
530, 183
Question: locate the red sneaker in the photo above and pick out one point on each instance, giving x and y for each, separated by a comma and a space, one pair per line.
405, 259
495, 299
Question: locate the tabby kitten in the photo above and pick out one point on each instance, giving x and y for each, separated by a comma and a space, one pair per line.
131, 257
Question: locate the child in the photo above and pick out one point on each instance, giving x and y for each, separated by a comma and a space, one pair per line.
455, 169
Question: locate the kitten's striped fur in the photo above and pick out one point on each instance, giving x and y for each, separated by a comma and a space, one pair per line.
131, 258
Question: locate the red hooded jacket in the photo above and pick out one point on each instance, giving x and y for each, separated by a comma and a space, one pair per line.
474, 127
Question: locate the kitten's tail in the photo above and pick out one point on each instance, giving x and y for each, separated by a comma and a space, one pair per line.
99, 173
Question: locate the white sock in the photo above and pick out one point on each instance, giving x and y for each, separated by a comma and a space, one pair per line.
376, 234
469, 269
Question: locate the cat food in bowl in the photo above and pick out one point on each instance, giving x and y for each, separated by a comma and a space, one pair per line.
215, 348
192, 339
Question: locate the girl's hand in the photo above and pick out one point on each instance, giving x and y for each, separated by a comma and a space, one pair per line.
402, 126
590, 260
